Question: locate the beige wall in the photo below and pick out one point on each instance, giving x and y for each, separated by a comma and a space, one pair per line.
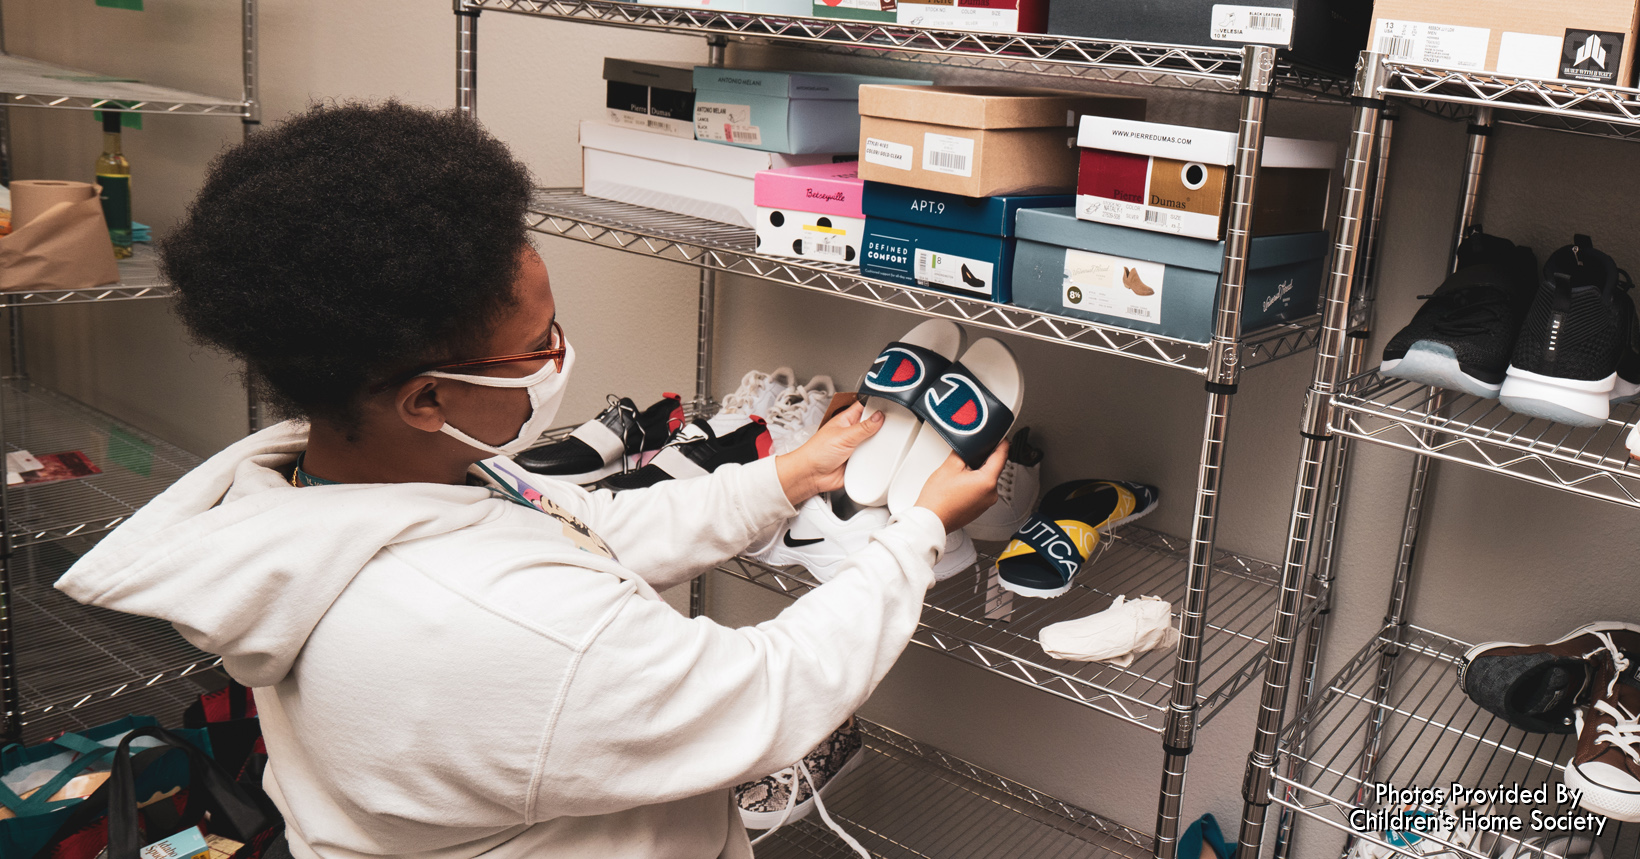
1503, 560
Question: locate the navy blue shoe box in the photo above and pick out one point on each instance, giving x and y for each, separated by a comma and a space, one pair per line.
957, 244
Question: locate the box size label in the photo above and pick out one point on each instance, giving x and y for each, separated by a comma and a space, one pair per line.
888, 154
944, 153
1257, 25
1431, 44
1113, 286
968, 275
1529, 55
726, 123
950, 16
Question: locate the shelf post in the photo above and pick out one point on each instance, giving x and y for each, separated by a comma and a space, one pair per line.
1316, 448
249, 123
705, 313
1223, 371
11, 701
466, 59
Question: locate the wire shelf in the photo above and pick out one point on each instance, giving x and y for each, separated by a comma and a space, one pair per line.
79, 666
31, 83
1197, 68
967, 618
568, 213
907, 800
139, 278
1605, 111
1484, 434
1432, 736
135, 466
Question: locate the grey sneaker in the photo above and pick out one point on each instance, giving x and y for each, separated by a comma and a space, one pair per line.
1537, 687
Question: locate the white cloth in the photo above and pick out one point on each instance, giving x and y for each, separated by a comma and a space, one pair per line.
442, 673
1115, 635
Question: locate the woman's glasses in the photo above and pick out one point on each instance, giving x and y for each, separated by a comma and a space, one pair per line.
553, 353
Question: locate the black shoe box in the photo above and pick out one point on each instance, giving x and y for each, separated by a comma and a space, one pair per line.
1326, 34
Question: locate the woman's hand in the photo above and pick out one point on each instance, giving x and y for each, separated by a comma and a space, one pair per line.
817, 466
958, 494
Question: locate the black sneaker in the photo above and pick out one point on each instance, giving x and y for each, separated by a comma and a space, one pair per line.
1536, 687
1579, 349
1464, 335
601, 446
697, 450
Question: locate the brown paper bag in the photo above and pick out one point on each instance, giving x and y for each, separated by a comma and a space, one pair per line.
64, 247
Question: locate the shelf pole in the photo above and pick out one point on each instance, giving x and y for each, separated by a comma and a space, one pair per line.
1320, 586
705, 313
249, 123
1224, 369
466, 59
11, 702
1316, 447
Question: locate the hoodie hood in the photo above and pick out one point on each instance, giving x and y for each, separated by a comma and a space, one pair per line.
245, 565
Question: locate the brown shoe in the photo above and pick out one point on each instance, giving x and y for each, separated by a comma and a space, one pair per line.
1536, 687
1606, 765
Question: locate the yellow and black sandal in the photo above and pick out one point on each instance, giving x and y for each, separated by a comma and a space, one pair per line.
1047, 551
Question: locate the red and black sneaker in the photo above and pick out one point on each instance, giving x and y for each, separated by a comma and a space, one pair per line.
608, 443
697, 450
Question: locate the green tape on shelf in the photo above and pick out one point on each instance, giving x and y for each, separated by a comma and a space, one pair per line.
127, 119
130, 452
133, 5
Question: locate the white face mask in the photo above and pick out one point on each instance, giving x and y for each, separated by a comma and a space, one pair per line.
546, 387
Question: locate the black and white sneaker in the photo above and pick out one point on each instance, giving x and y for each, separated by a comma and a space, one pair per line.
602, 446
1579, 349
1463, 336
697, 450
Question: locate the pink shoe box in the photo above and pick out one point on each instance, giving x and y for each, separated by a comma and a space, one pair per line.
810, 213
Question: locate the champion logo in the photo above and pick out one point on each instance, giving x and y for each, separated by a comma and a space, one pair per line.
1591, 50
960, 408
896, 369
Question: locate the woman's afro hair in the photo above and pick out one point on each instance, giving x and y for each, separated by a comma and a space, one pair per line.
349, 244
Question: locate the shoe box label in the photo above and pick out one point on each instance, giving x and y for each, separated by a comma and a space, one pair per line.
945, 153
960, 16
653, 109
1113, 286
806, 235
726, 123
888, 154
1431, 44
1255, 25
1165, 195
1591, 56
953, 272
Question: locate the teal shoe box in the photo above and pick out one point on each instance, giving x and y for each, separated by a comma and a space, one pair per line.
797, 113
944, 241
1155, 282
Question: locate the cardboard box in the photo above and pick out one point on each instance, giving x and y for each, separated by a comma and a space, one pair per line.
811, 213
791, 112
990, 16
977, 141
944, 241
881, 11
651, 95
675, 175
1176, 179
1324, 33
1589, 42
1155, 282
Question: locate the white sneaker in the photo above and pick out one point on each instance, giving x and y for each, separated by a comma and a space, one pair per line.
798, 416
821, 537
1409, 843
1017, 490
758, 394
959, 555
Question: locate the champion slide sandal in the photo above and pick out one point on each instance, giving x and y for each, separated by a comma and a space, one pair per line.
968, 407
1052, 546
897, 380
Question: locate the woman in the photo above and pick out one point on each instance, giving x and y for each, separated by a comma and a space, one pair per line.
444, 669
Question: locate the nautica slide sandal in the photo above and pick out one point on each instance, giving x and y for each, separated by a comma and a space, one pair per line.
969, 407
897, 381
1051, 547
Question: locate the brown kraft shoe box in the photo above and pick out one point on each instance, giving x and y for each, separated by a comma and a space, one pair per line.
1588, 42
978, 141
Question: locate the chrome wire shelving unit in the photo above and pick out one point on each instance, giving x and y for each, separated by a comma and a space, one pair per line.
1405, 717
65, 666
909, 800
968, 617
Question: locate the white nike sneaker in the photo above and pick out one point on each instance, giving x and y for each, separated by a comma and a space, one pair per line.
820, 537
1018, 488
798, 416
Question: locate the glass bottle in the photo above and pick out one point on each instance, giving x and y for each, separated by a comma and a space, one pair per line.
114, 177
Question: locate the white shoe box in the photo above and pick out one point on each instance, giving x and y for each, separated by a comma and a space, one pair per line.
809, 236
689, 177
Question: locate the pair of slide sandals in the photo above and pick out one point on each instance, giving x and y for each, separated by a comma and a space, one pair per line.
933, 403
1051, 547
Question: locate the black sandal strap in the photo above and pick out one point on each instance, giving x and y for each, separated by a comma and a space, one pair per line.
965, 413
902, 372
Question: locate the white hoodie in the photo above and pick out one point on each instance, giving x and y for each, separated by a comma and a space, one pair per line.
444, 673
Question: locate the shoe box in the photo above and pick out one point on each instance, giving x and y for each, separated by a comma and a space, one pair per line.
689, 177
1588, 42
790, 112
978, 141
989, 16
1154, 282
881, 11
651, 96
1176, 179
810, 213
1324, 33
944, 241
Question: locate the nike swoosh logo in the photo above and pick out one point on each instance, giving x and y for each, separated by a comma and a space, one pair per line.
798, 544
